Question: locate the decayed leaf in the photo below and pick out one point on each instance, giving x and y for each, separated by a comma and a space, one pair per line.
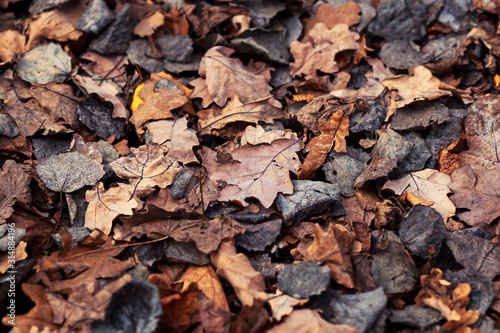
452, 303
11, 45
282, 305
105, 91
333, 247
104, 206
390, 149
333, 131
419, 86
257, 171
477, 188
250, 112
321, 53
248, 284
226, 77
206, 234
208, 282
177, 137
306, 321
14, 186
148, 25
69, 172
157, 104
429, 184
149, 167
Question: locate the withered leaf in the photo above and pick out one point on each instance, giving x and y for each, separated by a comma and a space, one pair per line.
14, 186
320, 55
149, 167
148, 25
418, 86
226, 77
206, 234
69, 172
104, 206
11, 45
235, 110
256, 135
306, 320
177, 137
248, 284
429, 184
282, 305
347, 13
333, 132
259, 172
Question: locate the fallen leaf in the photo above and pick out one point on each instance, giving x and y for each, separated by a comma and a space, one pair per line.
347, 13
148, 25
429, 184
333, 247
256, 135
11, 45
333, 132
248, 284
158, 104
320, 54
282, 305
105, 205
226, 77
208, 282
177, 137
250, 112
14, 187
201, 91
417, 86
259, 171
6, 259
306, 320
69, 172
106, 66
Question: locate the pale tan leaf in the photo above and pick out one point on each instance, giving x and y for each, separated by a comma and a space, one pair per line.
148, 25
429, 184
11, 45
309, 321
256, 135
282, 305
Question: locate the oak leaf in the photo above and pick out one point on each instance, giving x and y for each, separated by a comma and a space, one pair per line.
14, 187
306, 320
333, 132
148, 25
149, 167
256, 135
282, 304
106, 66
417, 86
235, 110
347, 13
248, 284
259, 172
320, 53
201, 91
226, 77
333, 247
428, 184
104, 206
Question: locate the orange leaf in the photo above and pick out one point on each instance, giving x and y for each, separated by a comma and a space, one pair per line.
333, 131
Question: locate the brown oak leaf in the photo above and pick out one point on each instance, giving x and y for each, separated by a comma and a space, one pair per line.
320, 53
149, 167
333, 132
306, 320
148, 25
259, 172
14, 187
226, 77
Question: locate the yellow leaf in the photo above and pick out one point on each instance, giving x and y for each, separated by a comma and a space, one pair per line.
137, 100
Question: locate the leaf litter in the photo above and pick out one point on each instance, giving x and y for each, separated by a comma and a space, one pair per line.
262, 166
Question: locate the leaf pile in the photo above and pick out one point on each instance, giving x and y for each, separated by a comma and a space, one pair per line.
250, 166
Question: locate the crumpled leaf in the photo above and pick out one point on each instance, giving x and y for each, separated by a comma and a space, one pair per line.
226, 77
429, 184
149, 167
451, 302
177, 137
282, 305
417, 86
333, 132
332, 246
248, 284
320, 54
235, 110
206, 234
390, 149
306, 321
69, 172
256, 135
14, 186
259, 172
104, 206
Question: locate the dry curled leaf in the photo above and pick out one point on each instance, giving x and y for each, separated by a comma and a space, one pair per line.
320, 54
333, 133
105, 205
148, 167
